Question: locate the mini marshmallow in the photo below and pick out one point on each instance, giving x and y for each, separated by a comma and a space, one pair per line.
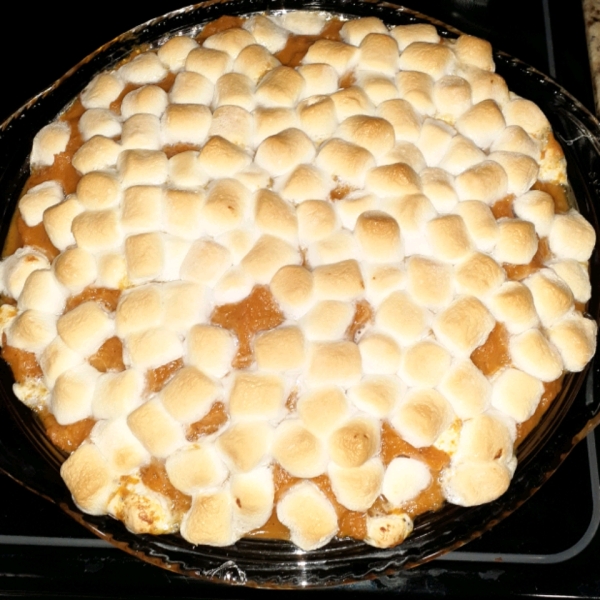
245, 445
104, 89
486, 181
75, 269
376, 395
471, 483
339, 246
96, 154
448, 237
474, 51
149, 99
210, 519
327, 320
462, 154
57, 222
281, 349
480, 223
143, 167
575, 339
521, 170
571, 236
424, 364
72, 394
402, 319
232, 41
403, 118
211, 349
338, 281
145, 256
575, 275
233, 124
482, 123
467, 389
144, 68
516, 139
351, 101
377, 88
98, 190
174, 52
57, 358
357, 488
478, 275
97, 230
527, 115
372, 133
275, 216
191, 88
185, 124
517, 394
185, 171
225, 206
280, 86
318, 117
323, 409
234, 89
48, 142
335, 363
221, 158
404, 479
379, 354
284, 151
350, 208
85, 328
271, 121
320, 79
117, 394
195, 468
266, 32
533, 353
152, 348
208, 63
513, 305
42, 291
292, 287
267, 256
205, 262
429, 281
379, 236
253, 495
434, 59
40, 197
298, 451
340, 56
434, 140
438, 186
99, 121
551, 296
416, 88
256, 395
452, 97
517, 242
378, 52
355, 442
417, 32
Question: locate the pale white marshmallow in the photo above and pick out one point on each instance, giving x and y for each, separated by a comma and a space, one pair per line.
234, 89
298, 451
380, 354
336, 363
143, 167
152, 348
305, 22
402, 318
357, 488
480, 223
552, 297
478, 275
72, 394
448, 237
318, 117
467, 389
338, 281
424, 364
141, 132
266, 32
85, 328
57, 358
206, 262
191, 88
267, 256
232, 41
120, 447
37, 199
97, 231
571, 236
185, 171
404, 479
192, 469
538, 207
464, 325
378, 89
323, 409
208, 63
144, 68
233, 124
99, 121
429, 281
149, 99
175, 252
239, 242
575, 275
104, 89
348, 209
48, 142
327, 320
377, 395
517, 242
138, 309
42, 291
422, 416
246, 445
533, 353
210, 349
32, 331
486, 181
256, 395
273, 120
575, 339
185, 304
156, 429
185, 124
405, 120
174, 52
339, 246
281, 349
354, 31
96, 154
275, 216
182, 212
517, 394
117, 394
309, 516
418, 32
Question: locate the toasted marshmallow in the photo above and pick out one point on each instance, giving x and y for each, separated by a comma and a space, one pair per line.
309, 516
99, 121
351, 101
482, 123
474, 51
96, 154
404, 479
145, 258
283, 152
575, 339
478, 275
271, 121
112, 271
357, 488
85, 328
575, 275
417, 89
267, 256
516, 139
42, 291
316, 220
280, 349
318, 117
209, 521
17, 268
143, 167
464, 325
139, 309
117, 394
335, 363
517, 242
403, 118
234, 286
354, 31
379, 236
292, 287
102, 91
350, 208
429, 281
403, 319
438, 186
191, 88
98, 190
434, 59
253, 495
225, 207
57, 358
355, 442
72, 394
424, 364
376, 395
378, 52
328, 320
90, 493
467, 389
173, 53
418, 32
280, 86
322, 410
275, 216
144, 68
298, 451
340, 56
389, 530
462, 154
373, 133
480, 223
33, 204
182, 213
211, 349
221, 158
422, 416
339, 246
234, 89
48, 142
520, 169
393, 180
152, 348
471, 483
245, 445
452, 97
338, 281
527, 115
486, 181
266, 32
97, 230
533, 353
379, 354
434, 140
209, 63
185, 172
232, 41
195, 468
537, 207
185, 124
233, 124
205, 262
256, 395
149, 99
377, 88
321, 79
513, 305
189, 395
448, 237
551, 296
571, 236
517, 394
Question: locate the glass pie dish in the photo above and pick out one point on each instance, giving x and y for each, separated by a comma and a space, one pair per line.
277, 563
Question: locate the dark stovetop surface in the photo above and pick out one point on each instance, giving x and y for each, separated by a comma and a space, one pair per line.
549, 547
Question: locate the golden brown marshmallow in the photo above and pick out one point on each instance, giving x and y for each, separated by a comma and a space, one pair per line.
429, 282
152, 348
338, 281
337, 54
517, 394
96, 154
402, 319
378, 52
517, 242
283, 152
335, 363
356, 488
355, 31
234, 89
280, 349
48, 142
85, 328
185, 124
416, 88
486, 181
575, 275
379, 236
418, 32
318, 117
208, 63
516, 139
533, 353
552, 297
480, 223
424, 364
571, 236
101, 91
462, 154
478, 275
351, 101
467, 389
292, 287
376, 395
57, 358
322, 409
99, 121
195, 468
266, 32
254, 61
42, 291
379, 354
527, 115
149, 99
256, 395
403, 118
33, 204
434, 59
298, 451
281, 86
209, 521
327, 320
245, 445
575, 339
